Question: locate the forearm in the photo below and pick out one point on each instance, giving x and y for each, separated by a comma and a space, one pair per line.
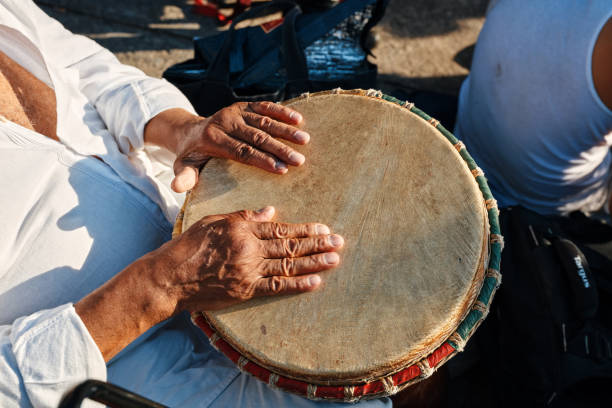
123, 308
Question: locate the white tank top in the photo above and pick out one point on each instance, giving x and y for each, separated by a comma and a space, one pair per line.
529, 112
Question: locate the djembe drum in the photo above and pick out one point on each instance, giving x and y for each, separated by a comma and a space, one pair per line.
419, 266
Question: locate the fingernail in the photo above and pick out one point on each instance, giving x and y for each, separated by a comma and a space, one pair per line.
264, 210
280, 166
301, 136
295, 116
296, 158
331, 258
321, 229
336, 240
314, 280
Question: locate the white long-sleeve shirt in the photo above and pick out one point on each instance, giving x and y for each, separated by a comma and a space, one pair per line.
69, 222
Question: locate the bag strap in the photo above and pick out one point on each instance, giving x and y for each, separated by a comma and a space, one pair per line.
377, 15
294, 57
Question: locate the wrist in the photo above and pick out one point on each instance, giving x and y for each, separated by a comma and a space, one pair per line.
168, 128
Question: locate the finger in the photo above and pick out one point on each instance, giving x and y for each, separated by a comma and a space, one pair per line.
279, 230
280, 285
297, 247
276, 128
185, 178
276, 111
228, 147
247, 154
267, 144
299, 266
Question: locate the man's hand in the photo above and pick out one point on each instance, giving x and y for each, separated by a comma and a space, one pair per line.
226, 259
245, 132
219, 261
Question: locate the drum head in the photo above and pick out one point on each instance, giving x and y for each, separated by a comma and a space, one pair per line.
416, 242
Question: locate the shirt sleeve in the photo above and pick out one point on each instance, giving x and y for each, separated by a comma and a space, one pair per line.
45, 355
124, 96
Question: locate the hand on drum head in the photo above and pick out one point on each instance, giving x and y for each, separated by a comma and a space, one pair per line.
245, 132
227, 259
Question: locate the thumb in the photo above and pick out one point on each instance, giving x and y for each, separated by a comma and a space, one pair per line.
185, 178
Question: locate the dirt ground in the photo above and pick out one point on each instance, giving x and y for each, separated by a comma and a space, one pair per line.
422, 44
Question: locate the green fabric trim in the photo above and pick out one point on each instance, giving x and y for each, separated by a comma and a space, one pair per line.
488, 287
466, 326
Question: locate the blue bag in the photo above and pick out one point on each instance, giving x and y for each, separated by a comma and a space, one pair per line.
319, 50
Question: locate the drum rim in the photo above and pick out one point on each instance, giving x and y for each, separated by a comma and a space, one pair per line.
406, 375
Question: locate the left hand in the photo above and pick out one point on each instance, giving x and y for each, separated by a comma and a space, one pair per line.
245, 132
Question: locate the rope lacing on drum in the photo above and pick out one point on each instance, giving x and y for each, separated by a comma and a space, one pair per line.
477, 172
305, 95
458, 341
426, 370
497, 239
433, 122
408, 105
242, 362
336, 91
375, 93
491, 203
494, 273
481, 307
214, 339
311, 391
349, 394
390, 387
459, 146
273, 379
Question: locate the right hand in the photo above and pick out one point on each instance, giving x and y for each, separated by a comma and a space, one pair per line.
223, 260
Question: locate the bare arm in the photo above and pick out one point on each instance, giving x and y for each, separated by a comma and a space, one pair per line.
220, 261
602, 64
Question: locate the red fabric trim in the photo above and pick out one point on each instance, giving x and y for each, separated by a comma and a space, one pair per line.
325, 391
203, 324
257, 371
407, 374
291, 385
440, 354
322, 391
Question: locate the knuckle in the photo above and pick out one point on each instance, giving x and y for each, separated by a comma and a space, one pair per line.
244, 152
260, 138
266, 105
244, 214
276, 285
280, 231
292, 246
287, 266
265, 122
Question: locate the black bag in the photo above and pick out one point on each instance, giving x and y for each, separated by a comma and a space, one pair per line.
251, 64
550, 330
